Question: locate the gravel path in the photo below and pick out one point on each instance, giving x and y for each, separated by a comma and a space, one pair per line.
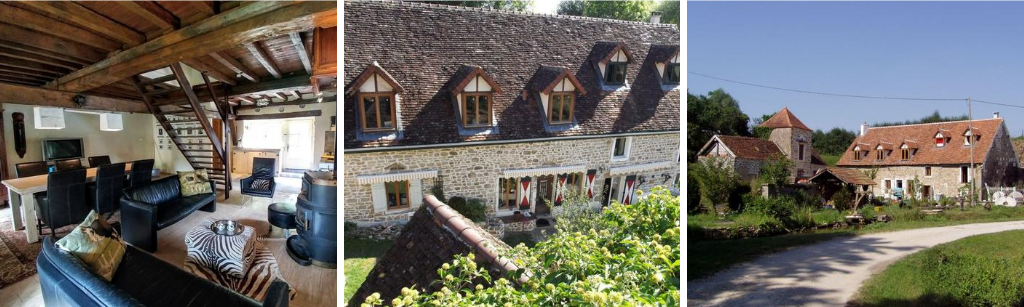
823, 274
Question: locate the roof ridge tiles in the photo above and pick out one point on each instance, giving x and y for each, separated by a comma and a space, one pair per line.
936, 123
510, 12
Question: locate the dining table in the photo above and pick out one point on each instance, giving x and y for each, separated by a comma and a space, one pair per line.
23, 205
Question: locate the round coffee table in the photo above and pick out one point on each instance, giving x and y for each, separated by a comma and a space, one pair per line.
282, 215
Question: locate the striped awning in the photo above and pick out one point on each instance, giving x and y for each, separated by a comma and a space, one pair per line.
633, 169
397, 176
554, 170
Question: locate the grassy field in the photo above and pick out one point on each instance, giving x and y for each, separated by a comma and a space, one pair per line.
705, 258
360, 257
982, 270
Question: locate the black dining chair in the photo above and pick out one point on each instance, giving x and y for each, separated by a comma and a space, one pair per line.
29, 169
69, 164
99, 160
105, 193
261, 183
64, 202
142, 173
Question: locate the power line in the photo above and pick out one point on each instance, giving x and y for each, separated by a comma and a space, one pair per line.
829, 94
998, 104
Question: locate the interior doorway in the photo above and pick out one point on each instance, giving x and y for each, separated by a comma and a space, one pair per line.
298, 145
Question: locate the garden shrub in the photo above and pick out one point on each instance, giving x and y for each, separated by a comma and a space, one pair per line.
780, 208
634, 260
350, 227
473, 209
843, 199
904, 214
438, 191
577, 214
716, 180
868, 212
827, 217
692, 195
737, 196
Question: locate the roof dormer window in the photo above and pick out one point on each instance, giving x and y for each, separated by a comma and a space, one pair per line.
612, 60
666, 61
971, 138
376, 94
858, 154
473, 92
906, 152
940, 140
557, 88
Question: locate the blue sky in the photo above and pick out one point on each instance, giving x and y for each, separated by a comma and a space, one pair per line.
908, 49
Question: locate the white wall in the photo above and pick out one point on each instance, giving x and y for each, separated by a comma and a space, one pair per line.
135, 142
321, 123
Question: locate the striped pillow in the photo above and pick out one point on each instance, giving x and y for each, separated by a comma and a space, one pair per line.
260, 184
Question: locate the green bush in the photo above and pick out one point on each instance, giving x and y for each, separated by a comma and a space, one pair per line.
827, 217
904, 214
692, 195
350, 227
438, 191
473, 209
716, 180
780, 208
868, 212
843, 199
634, 260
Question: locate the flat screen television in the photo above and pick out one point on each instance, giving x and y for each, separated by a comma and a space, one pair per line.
55, 149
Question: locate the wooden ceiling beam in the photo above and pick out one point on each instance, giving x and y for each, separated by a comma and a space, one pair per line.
52, 44
203, 68
301, 50
45, 97
40, 23
6, 61
26, 77
260, 53
290, 103
225, 59
42, 53
239, 26
14, 70
152, 13
18, 54
280, 115
18, 81
76, 14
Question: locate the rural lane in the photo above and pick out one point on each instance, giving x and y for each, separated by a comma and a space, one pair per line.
823, 274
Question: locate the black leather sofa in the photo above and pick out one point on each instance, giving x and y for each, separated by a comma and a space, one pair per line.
140, 280
156, 205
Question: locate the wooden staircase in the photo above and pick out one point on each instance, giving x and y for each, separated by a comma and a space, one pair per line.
188, 125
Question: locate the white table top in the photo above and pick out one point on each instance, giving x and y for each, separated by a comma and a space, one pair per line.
36, 184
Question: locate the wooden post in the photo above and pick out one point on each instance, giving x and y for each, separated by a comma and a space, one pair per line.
4, 174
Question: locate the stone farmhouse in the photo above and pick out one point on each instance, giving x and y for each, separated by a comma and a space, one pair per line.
789, 138
937, 155
510, 108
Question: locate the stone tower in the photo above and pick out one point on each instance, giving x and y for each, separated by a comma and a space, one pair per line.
794, 139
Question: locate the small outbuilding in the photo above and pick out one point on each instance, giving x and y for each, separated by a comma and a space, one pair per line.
830, 180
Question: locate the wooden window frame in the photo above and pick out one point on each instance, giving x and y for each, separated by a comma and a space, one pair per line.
880, 155
376, 103
490, 108
905, 154
668, 67
397, 195
927, 171
503, 195
608, 72
578, 184
801, 153
551, 106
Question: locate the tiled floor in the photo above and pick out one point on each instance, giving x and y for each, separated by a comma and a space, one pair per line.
316, 286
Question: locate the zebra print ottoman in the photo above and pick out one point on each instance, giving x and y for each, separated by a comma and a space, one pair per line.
256, 279
226, 254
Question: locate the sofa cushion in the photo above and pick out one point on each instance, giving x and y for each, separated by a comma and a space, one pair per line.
97, 244
155, 282
156, 192
194, 182
176, 209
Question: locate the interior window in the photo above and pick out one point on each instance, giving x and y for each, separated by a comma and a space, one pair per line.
560, 110
476, 109
398, 194
616, 73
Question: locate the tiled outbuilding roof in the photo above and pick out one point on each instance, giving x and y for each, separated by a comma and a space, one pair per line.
423, 46
784, 119
846, 175
750, 147
927, 153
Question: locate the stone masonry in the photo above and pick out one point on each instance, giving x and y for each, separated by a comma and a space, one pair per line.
474, 171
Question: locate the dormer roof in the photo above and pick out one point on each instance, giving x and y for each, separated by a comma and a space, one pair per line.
467, 74
369, 72
784, 119
662, 53
603, 52
548, 77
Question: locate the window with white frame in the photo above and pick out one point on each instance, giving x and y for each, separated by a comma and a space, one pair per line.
620, 148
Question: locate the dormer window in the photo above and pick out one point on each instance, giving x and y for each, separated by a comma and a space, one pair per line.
473, 93
612, 60
666, 61
881, 153
858, 154
940, 140
971, 138
905, 152
672, 74
376, 94
556, 89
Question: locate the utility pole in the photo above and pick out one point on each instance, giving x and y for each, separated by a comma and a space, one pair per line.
970, 129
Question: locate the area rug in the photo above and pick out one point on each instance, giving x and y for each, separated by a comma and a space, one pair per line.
17, 256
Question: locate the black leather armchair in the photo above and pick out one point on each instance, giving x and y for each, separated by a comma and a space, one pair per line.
99, 160
105, 193
157, 205
141, 280
29, 169
64, 202
262, 168
68, 164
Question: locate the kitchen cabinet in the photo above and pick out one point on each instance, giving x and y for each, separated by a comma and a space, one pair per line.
241, 159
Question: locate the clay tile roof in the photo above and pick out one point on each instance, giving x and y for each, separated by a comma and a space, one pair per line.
784, 119
847, 175
662, 53
547, 77
604, 51
927, 153
466, 74
367, 73
750, 148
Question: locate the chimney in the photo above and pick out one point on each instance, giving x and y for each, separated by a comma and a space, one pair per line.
863, 128
995, 115
655, 17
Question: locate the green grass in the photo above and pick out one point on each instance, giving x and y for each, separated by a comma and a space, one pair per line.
831, 160
706, 257
982, 270
360, 257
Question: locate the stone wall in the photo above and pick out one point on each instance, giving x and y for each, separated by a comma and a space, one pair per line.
945, 180
473, 171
